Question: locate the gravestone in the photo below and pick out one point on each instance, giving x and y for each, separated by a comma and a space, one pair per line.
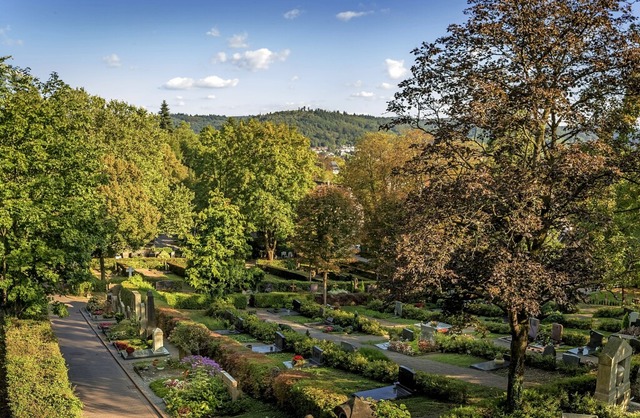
121, 308
158, 340
280, 341
143, 321
534, 327
408, 334
347, 347
239, 324
613, 384
128, 314
130, 270
283, 254
317, 355
549, 350
252, 301
557, 331
406, 381
595, 340
151, 311
114, 303
427, 333
231, 384
633, 318
313, 287
356, 407
289, 254
137, 300
296, 305
570, 359
398, 309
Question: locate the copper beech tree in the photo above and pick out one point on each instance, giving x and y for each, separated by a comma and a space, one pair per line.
525, 104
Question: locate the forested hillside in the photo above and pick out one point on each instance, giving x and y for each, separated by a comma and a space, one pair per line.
324, 128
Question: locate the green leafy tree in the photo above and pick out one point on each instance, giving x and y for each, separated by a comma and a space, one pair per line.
48, 182
327, 229
217, 249
525, 102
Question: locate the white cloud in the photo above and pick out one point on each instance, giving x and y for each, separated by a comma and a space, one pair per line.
238, 41
295, 78
364, 95
112, 60
211, 96
347, 16
5, 39
211, 82
213, 32
395, 69
386, 86
292, 14
260, 59
179, 83
220, 57
357, 83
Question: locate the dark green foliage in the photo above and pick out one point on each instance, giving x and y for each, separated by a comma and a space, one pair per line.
467, 344
609, 313
420, 314
610, 325
497, 327
285, 274
442, 388
324, 128
240, 301
575, 339
484, 309
36, 374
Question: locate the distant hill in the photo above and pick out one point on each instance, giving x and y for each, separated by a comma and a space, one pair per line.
322, 127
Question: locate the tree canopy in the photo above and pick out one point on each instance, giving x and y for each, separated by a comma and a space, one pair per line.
525, 103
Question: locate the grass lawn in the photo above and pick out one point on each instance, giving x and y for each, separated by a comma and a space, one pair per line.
197, 315
461, 360
299, 319
423, 407
340, 381
378, 315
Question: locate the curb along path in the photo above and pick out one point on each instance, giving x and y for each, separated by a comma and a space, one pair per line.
106, 385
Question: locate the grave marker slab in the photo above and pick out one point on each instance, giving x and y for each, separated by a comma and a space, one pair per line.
313, 287
570, 359
408, 334
296, 305
427, 333
549, 350
613, 384
231, 384
398, 309
317, 356
280, 341
348, 347
633, 318
158, 340
557, 331
595, 339
239, 324
534, 327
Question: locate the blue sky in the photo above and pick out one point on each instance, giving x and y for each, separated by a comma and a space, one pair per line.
234, 57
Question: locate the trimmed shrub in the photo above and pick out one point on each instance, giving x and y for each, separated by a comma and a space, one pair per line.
610, 325
574, 338
240, 301
484, 309
419, 314
617, 313
36, 373
274, 299
497, 327
285, 274
467, 344
577, 323
442, 388
186, 300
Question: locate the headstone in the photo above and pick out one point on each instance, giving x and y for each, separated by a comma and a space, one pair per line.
570, 359
296, 305
137, 300
151, 311
347, 347
407, 378
534, 327
408, 334
613, 384
114, 303
239, 324
268, 288
557, 331
121, 307
231, 384
130, 270
549, 350
143, 321
280, 341
398, 309
252, 301
356, 407
158, 340
633, 318
283, 254
595, 339
317, 355
313, 287
289, 254
427, 333
128, 313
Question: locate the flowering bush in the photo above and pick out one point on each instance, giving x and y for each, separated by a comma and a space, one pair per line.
401, 347
175, 383
328, 329
297, 360
425, 346
201, 362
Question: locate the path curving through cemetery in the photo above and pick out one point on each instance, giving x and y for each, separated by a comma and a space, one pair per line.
105, 385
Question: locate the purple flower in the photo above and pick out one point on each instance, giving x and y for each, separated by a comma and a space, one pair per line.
202, 362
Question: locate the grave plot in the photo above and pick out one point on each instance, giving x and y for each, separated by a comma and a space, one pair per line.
405, 386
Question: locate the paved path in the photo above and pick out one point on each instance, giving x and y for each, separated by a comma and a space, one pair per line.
106, 384
419, 363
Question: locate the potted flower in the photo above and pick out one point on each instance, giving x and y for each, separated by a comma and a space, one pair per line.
499, 359
297, 361
130, 350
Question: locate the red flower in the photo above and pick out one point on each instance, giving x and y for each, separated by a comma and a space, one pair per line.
130, 349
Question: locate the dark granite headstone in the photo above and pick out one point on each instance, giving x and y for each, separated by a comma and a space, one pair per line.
252, 301
317, 355
407, 334
348, 347
570, 359
239, 324
296, 305
595, 339
280, 341
549, 350
329, 320
407, 378
151, 312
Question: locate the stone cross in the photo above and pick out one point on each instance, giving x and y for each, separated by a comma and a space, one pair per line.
613, 384
130, 270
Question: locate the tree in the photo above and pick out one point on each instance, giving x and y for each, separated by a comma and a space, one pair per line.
525, 103
327, 229
264, 169
48, 181
165, 117
218, 247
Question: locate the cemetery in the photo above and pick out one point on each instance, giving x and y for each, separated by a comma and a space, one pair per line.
368, 348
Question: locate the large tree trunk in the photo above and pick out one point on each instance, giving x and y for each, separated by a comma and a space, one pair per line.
325, 281
518, 322
270, 245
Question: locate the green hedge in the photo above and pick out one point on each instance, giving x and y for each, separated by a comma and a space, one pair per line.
617, 313
442, 388
186, 300
420, 314
176, 268
484, 309
285, 274
36, 374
